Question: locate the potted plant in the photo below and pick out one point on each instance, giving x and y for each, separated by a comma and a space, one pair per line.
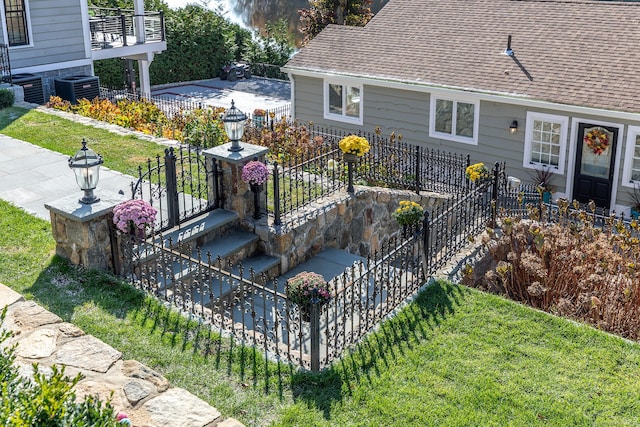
134, 217
542, 180
635, 200
255, 174
259, 116
306, 286
353, 146
477, 172
408, 214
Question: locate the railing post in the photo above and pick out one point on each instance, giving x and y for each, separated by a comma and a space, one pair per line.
350, 188
494, 193
314, 328
467, 182
426, 231
172, 187
123, 28
276, 194
217, 173
418, 168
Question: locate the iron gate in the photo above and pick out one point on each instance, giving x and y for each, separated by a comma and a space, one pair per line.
176, 185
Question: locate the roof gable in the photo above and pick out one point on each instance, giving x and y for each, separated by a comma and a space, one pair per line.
578, 52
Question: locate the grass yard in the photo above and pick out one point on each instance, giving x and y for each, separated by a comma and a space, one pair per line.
453, 357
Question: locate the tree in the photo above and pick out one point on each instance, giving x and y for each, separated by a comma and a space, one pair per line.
324, 12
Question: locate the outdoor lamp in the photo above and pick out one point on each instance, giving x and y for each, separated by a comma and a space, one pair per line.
86, 165
234, 126
513, 128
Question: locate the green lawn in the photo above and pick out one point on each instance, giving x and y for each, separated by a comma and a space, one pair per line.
453, 357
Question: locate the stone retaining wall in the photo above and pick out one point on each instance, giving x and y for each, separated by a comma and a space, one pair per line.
359, 223
143, 394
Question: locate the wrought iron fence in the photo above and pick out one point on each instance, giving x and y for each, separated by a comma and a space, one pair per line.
176, 185
255, 309
174, 107
5, 64
303, 179
300, 180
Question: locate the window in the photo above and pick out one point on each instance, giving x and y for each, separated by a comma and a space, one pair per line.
631, 172
15, 13
343, 102
455, 120
545, 141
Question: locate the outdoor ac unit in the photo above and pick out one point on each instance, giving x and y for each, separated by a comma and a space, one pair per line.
75, 88
32, 87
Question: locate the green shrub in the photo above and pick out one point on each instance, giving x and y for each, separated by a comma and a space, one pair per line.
7, 98
46, 401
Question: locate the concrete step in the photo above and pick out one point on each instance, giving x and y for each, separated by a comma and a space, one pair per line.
204, 228
234, 247
329, 263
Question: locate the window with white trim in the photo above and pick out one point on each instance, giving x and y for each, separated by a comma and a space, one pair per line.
453, 119
631, 172
545, 141
343, 102
15, 16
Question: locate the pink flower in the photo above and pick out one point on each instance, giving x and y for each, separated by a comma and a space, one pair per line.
255, 172
134, 215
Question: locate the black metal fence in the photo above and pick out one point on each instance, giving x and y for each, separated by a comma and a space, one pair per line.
299, 180
176, 185
256, 310
5, 64
172, 106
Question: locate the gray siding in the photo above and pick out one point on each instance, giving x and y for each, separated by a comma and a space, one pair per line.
407, 112
56, 34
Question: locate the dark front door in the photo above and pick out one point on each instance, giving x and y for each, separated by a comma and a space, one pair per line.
594, 164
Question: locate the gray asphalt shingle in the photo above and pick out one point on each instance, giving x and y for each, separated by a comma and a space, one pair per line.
577, 52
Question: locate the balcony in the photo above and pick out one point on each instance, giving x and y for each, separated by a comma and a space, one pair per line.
125, 32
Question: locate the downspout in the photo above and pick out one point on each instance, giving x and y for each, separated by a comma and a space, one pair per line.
292, 87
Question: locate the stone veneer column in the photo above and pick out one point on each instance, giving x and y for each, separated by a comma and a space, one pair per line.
83, 232
236, 193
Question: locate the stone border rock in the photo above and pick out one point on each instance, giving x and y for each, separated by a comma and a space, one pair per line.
142, 393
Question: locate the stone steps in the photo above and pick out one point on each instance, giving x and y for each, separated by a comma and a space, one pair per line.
216, 237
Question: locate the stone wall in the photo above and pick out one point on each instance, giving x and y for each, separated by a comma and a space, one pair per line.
359, 223
83, 233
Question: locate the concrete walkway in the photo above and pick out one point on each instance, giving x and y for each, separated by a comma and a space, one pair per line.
31, 176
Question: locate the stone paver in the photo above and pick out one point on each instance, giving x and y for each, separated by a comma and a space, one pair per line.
140, 392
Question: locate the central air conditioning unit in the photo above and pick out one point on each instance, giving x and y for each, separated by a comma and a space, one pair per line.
74, 88
31, 86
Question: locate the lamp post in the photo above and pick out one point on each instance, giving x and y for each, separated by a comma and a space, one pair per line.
86, 165
234, 126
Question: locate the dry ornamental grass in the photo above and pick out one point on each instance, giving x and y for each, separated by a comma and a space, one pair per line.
571, 267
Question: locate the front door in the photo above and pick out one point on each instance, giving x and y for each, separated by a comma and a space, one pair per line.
594, 164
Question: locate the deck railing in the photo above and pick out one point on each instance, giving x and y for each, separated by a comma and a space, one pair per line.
120, 27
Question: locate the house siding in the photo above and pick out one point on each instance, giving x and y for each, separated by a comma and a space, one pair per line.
406, 112
56, 34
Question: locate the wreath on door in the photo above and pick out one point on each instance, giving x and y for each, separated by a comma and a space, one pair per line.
597, 140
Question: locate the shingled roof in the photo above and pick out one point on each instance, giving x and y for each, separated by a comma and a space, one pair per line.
576, 52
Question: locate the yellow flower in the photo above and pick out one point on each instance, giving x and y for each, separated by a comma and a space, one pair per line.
476, 172
354, 144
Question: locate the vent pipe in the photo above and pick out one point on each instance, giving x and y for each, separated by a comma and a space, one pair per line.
508, 50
